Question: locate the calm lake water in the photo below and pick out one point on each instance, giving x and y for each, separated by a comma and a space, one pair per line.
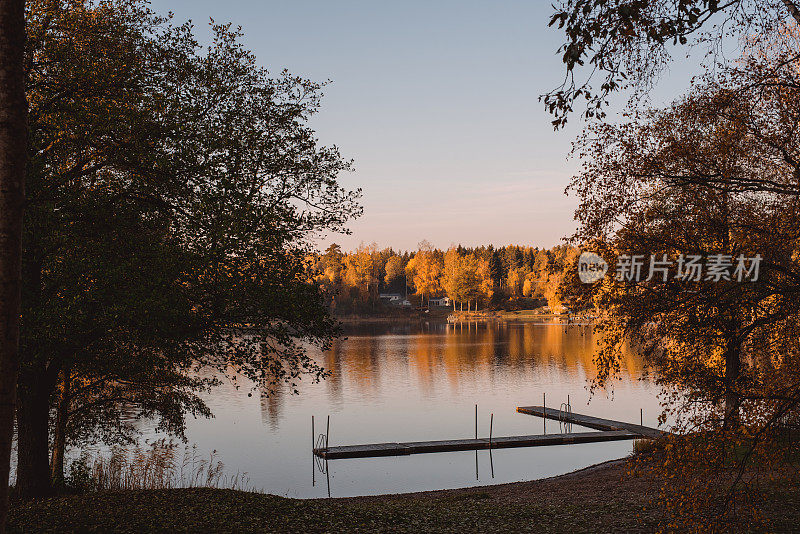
421, 382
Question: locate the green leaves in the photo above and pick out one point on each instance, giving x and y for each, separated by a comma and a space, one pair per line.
173, 192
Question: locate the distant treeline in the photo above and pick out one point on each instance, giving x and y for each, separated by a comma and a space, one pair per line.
473, 278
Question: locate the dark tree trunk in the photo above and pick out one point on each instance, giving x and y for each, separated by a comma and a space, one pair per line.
33, 418
13, 155
794, 11
732, 369
60, 430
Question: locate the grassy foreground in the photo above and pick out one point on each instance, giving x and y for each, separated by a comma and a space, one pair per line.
598, 499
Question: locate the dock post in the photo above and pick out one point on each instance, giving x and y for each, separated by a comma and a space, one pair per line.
476, 421
641, 416
544, 407
328, 476
491, 421
313, 465
327, 433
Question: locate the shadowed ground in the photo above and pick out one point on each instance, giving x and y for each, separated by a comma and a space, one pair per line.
602, 498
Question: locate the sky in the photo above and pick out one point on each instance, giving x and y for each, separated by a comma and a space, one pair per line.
437, 103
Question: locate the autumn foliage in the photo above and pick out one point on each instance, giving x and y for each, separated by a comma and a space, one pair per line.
472, 278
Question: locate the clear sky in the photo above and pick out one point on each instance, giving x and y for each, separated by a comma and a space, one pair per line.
437, 104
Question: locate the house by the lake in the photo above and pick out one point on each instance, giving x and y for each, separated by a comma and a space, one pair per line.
394, 299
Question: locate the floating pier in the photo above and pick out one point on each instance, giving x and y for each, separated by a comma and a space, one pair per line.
608, 430
451, 445
588, 421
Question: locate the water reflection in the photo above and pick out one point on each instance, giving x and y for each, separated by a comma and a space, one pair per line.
406, 382
372, 356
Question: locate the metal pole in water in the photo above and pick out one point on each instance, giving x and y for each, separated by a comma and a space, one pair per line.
641, 416
313, 467
491, 421
476, 421
327, 433
328, 477
544, 409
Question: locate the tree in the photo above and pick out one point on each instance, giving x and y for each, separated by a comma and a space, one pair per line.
468, 281
530, 285
516, 279
712, 176
461, 280
172, 190
331, 273
450, 273
426, 268
395, 271
496, 268
485, 279
13, 156
361, 271
627, 41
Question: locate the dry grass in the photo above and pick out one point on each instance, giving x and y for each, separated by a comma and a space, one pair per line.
161, 465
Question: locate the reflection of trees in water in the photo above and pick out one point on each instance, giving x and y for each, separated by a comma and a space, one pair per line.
364, 363
463, 355
271, 406
358, 360
271, 400
332, 362
467, 352
422, 358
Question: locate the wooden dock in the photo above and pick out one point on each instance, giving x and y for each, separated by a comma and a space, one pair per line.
588, 421
422, 447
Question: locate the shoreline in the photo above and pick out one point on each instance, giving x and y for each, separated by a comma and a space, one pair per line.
450, 316
607, 465
602, 497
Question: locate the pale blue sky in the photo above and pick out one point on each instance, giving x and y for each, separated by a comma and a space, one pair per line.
437, 103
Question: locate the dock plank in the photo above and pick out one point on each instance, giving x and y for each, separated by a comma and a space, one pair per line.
588, 421
452, 445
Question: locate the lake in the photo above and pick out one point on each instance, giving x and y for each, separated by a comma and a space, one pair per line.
414, 382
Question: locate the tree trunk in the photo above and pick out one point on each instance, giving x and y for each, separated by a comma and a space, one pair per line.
732, 369
60, 430
33, 418
13, 155
794, 11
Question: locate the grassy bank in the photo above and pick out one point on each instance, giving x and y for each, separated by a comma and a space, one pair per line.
599, 499
554, 505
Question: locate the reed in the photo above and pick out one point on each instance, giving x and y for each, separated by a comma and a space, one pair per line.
161, 465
